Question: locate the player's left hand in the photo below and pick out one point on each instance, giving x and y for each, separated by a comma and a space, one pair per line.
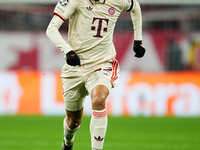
138, 49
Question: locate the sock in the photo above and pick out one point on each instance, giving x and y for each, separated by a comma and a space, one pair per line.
69, 134
98, 126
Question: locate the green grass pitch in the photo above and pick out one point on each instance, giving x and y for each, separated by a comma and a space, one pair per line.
124, 133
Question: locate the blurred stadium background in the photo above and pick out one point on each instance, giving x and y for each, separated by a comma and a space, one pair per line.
164, 83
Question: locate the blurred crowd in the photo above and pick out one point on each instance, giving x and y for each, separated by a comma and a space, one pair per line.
181, 50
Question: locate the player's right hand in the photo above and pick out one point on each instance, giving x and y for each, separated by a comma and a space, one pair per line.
72, 59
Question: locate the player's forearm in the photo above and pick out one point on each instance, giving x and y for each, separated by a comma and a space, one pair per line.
54, 35
136, 17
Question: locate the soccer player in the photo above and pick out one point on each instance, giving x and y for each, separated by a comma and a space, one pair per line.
91, 67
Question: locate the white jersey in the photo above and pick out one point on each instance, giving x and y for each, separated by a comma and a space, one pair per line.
91, 26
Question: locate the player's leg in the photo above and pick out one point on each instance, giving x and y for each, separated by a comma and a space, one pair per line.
99, 84
98, 123
74, 92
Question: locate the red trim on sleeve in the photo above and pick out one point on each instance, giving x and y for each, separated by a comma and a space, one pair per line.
104, 1
59, 16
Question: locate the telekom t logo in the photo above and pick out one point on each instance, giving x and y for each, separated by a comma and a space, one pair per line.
99, 27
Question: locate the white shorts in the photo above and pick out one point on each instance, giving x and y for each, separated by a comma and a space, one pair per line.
82, 80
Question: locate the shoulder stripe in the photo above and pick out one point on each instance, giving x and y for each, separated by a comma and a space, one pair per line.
131, 7
59, 16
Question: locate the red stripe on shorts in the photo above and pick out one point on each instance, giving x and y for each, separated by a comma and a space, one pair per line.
115, 77
114, 73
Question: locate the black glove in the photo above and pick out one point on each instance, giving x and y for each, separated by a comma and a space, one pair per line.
138, 49
72, 59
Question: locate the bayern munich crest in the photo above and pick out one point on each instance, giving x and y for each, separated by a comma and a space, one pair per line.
111, 11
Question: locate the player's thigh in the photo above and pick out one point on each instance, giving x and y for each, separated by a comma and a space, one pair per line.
104, 75
96, 79
74, 93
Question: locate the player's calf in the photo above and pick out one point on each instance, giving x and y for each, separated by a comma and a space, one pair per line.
71, 125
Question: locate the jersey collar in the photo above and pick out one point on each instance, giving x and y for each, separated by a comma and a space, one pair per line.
98, 1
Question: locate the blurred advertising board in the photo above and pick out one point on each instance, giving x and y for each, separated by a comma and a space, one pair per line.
136, 94
32, 50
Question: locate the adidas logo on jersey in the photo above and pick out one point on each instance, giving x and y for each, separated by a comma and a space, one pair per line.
89, 8
64, 2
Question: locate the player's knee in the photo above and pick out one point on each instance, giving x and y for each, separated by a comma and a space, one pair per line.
98, 102
99, 95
